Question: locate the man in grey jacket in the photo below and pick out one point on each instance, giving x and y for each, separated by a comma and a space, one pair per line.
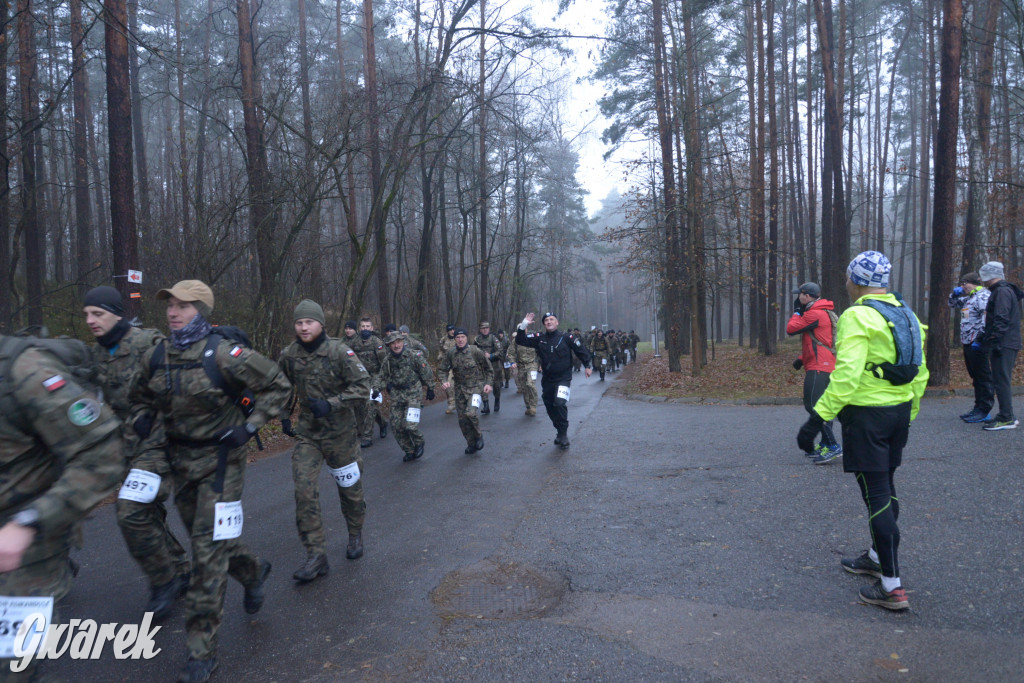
1001, 338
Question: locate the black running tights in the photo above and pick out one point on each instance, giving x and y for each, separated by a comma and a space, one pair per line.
879, 495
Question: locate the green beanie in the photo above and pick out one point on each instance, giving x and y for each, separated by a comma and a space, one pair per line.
308, 308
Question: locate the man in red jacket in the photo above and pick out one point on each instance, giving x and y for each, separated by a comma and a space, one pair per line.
817, 357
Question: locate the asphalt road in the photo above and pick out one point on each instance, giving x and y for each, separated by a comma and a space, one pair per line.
671, 542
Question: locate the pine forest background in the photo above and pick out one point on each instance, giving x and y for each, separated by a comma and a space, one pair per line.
426, 171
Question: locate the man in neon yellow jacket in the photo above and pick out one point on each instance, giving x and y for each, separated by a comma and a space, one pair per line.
875, 391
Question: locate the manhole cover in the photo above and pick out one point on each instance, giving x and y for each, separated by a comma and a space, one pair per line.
496, 590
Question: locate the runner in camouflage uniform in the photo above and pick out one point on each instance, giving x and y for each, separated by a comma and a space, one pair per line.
412, 342
524, 359
61, 454
473, 375
402, 373
599, 346
207, 431
506, 360
444, 345
371, 352
141, 510
329, 380
492, 349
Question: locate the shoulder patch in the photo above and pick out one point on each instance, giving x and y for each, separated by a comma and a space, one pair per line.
380, 346
84, 412
531, 336
236, 352
351, 352
54, 383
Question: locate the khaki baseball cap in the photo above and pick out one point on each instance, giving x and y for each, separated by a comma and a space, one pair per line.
485, 324
189, 290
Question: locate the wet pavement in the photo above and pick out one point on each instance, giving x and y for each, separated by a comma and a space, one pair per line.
670, 542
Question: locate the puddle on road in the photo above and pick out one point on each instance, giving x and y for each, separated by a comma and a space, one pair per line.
497, 590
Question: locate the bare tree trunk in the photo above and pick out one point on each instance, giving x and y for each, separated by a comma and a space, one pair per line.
771, 312
694, 201
6, 265
123, 235
186, 218
31, 230
944, 222
484, 306
137, 127
376, 221
83, 209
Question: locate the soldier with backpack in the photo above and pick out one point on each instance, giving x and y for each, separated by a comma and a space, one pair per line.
141, 511
60, 456
876, 390
212, 393
814, 319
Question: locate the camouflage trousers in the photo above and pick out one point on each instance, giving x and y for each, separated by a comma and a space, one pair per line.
507, 372
49, 577
144, 525
527, 386
308, 458
373, 411
469, 420
497, 379
451, 392
407, 434
213, 560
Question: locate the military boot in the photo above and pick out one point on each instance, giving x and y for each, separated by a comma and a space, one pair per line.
486, 410
355, 546
315, 567
197, 670
161, 598
531, 411
497, 403
383, 429
253, 599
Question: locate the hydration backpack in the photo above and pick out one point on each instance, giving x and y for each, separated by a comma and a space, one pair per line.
906, 335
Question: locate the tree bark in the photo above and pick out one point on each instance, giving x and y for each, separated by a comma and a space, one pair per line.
944, 210
6, 265
142, 167
123, 234
83, 208
31, 230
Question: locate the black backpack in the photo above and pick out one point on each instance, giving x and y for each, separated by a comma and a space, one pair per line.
244, 399
74, 354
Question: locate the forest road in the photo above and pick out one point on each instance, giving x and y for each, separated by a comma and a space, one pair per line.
670, 542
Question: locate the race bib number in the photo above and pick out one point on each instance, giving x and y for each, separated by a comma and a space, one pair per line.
346, 476
476, 401
227, 520
563, 393
604, 361
140, 486
507, 364
28, 635
412, 415
379, 399
533, 375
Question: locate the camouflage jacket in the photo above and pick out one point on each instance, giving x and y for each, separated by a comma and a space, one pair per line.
415, 344
119, 371
613, 343
60, 450
600, 346
195, 410
444, 344
371, 351
523, 356
405, 373
491, 346
470, 367
634, 339
332, 372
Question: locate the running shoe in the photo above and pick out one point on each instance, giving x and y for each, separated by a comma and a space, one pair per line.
862, 565
998, 425
968, 414
976, 417
828, 455
818, 450
876, 595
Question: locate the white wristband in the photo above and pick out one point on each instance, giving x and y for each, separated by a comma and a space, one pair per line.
523, 325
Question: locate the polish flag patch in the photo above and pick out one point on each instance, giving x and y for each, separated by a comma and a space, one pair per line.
236, 352
54, 383
351, 352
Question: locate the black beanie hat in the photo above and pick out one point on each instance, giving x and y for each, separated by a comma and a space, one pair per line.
107, 298
351, 324
460, 330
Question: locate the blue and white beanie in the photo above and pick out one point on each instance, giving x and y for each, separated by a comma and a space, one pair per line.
869, 269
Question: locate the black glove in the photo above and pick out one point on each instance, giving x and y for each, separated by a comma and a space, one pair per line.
390, 387
798, 363
236, 436
286, 426
374, 394
810, 429
798, 307
143, 426
430, 394
319, 406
